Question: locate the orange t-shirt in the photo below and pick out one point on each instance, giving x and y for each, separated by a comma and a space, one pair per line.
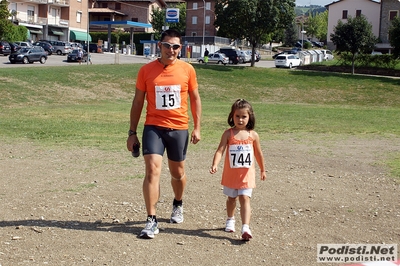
239, 167
167, 90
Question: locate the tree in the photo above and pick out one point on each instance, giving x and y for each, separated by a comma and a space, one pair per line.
394, 36
5, 23
158, 20
9, 31
317, 25
354, 37
253, 20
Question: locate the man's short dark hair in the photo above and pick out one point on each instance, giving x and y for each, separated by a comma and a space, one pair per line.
171, 33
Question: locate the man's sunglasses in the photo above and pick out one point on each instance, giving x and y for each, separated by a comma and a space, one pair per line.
169, 45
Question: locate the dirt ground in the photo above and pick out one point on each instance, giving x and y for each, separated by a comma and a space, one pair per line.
85, 207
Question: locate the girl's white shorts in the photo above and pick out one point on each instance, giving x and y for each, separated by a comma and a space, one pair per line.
233, 193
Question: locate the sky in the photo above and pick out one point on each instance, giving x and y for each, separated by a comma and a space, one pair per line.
313, 2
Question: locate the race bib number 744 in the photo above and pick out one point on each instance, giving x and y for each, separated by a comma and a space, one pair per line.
241, 156
168, 97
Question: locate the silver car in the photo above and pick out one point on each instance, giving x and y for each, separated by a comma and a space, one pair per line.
216, 58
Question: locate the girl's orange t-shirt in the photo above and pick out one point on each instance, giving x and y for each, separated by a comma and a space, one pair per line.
239, 178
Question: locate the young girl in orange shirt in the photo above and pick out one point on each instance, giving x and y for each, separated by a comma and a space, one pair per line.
242, 145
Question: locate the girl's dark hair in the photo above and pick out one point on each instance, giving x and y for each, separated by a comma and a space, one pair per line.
240, 104
171, 33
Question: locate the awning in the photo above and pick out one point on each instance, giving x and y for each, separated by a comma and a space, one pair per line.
57, 32
35, 31
79, 36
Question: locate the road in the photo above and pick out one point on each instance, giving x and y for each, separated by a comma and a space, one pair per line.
105, 58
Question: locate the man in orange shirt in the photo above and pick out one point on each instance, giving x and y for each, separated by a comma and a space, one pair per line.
166, 84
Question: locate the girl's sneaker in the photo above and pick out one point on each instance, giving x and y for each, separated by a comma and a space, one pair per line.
246, 233
230, 225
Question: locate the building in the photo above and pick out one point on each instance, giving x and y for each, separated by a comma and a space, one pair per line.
389, 10
342, 9
68, 20
64, 20
125, 10
200, 18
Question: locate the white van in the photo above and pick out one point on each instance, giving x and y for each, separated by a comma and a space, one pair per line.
327, 55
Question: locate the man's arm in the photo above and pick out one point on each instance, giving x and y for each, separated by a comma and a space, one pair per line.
195, 107
136, 111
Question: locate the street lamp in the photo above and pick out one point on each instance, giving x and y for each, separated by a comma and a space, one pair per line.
204, 25
302, 38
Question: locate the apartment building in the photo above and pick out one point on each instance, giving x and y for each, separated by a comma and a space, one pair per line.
342, 9
200, 18
125, 10
389, 10
64, 20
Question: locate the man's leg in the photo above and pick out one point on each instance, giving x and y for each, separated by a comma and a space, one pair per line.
178, 182
151, 182
178, 178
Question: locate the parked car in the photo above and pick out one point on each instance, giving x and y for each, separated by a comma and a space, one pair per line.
244, 57
14, 47
257, 56
24, 44
318, 44
287, 60
29, 55
231, 53
75, 45
46, 46
215, 58
294, 50
61, 48
73, 56
327, 55
92, 47
5, 48
300, 42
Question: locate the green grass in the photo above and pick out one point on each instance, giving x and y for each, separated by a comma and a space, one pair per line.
89, 106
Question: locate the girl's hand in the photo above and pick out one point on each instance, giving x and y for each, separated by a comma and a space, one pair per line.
263, 175
213, 169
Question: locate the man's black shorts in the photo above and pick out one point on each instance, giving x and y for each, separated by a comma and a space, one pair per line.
156, 140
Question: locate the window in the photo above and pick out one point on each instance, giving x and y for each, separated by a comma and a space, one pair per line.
118, 6
207, 19
78, 16
358, 13
208, 5
31, 14
135, 19
393, 14
194, 34
194, 6
194, 20
344, 14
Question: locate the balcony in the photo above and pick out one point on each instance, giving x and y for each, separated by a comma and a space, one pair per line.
55, 21
58, 2
34, 20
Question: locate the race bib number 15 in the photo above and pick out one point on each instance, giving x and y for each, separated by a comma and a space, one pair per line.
168, 97
241, 156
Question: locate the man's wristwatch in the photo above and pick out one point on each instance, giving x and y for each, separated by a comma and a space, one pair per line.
131, 132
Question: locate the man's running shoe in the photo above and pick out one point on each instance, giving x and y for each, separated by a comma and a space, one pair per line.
177, 215
230, 225
150, 229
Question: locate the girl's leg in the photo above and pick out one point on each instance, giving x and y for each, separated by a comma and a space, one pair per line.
230, 211
245, 209
230, 207
245, 213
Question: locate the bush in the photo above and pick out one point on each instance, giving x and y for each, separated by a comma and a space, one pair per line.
368, 60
